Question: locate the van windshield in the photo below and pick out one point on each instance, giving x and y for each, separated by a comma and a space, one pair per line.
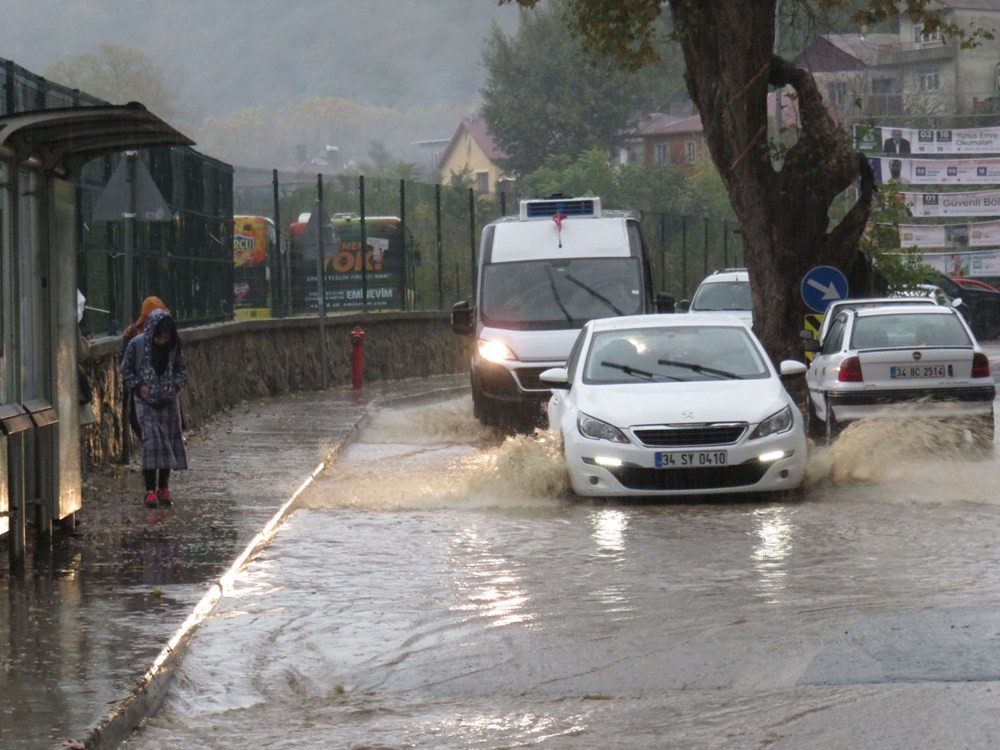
553, 294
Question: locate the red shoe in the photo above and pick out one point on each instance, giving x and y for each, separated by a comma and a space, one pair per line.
164, 495
151, 499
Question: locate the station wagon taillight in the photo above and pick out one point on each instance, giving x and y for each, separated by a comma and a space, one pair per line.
980, 365
850, 371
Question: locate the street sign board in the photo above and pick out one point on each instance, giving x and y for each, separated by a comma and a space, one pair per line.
822, 285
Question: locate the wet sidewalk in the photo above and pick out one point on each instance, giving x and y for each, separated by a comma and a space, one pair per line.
88, 643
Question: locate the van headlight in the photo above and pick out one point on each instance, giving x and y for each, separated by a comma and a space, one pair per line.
595, 429
495, 351
781, 421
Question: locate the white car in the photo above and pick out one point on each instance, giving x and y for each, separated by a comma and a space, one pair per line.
900, 361
726, 291
662, 405
864, 302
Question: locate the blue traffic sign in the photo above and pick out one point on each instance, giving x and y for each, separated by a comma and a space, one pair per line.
821, 286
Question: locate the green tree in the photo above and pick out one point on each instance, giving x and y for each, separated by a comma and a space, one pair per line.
118, 75
545, 95
783, 208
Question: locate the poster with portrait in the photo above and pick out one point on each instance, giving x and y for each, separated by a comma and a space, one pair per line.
888, 139
937, 171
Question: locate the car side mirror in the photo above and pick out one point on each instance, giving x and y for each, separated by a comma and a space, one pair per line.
461, 319
555, 377
791, 368
684, 305
665, 302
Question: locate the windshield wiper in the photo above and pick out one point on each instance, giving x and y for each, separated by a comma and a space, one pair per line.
636, 371
555, 294
700, 369
594, 293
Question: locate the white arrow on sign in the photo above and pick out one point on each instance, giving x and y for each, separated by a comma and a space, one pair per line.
829, 290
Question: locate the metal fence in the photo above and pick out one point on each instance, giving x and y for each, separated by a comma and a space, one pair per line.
442, 223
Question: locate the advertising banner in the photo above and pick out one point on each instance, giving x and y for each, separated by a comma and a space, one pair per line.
251, 278
922, 235
978, 203
975, 263
937, 171
979, 234
984, 234
369, 273
893, 140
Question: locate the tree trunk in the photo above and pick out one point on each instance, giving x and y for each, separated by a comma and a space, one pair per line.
784, 215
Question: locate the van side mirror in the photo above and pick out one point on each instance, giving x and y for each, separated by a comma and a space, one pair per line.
461, 319
684, 305
665, 302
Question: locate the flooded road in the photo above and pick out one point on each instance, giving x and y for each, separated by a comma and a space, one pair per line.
440, 589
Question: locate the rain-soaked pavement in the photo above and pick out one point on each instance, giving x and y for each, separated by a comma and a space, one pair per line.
438, 588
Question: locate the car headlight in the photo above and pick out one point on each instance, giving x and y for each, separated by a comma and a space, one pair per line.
495, 351
781, 421
595, 429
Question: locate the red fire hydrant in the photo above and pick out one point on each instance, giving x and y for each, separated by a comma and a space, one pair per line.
358, 356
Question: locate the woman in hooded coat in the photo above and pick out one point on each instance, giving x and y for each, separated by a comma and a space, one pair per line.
153, 368
131, 331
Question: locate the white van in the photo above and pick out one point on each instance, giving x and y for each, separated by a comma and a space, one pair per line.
543, 274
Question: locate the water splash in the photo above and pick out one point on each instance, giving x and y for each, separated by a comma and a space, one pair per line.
912, 459
439, 456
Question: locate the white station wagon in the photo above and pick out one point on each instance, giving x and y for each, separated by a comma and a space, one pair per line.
900, 361
660, 405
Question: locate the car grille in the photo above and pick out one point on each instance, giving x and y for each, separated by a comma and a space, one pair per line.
681, 436
529, 380
707, 478
904, 395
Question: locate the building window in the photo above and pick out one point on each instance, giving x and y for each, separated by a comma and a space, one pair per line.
691, 152
921, 38
661, 153
482, 182
836, 92
927, 80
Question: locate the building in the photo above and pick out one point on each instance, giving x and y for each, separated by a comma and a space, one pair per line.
911, 72
472, 148
665, 139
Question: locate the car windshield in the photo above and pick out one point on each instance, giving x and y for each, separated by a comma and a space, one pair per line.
723, 295
880, 331
553, 294
673, 354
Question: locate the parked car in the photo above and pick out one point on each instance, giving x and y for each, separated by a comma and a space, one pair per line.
660, 405
968, 283
981, 307
900, 361
725, 291
862, 303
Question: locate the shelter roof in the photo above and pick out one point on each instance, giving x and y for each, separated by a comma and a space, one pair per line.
63, 139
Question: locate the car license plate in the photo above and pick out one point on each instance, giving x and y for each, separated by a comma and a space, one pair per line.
691, 459
919, 371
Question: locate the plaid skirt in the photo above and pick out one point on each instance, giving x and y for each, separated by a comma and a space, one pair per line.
162, 438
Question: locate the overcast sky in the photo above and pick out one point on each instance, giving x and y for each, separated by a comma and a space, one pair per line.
225, 55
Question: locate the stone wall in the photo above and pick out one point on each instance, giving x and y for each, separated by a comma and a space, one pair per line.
232, 362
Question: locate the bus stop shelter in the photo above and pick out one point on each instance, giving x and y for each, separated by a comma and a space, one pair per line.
40, 447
